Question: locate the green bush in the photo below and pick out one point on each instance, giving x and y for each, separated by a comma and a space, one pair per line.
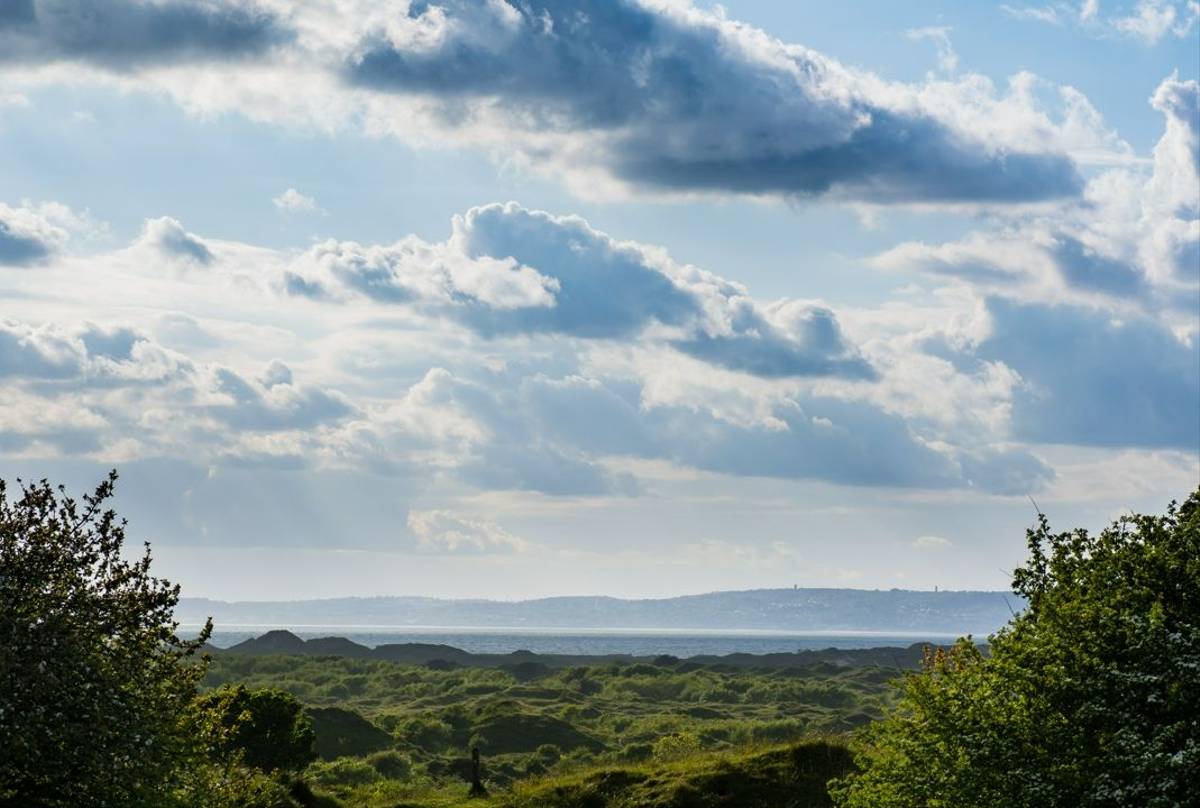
425, 732
390, 764
1091, 697
94, 681
267, 726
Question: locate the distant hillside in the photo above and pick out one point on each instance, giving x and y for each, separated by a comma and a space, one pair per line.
527, 663
894, 610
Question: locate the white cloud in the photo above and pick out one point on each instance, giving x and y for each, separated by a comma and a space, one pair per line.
292, 201
436, 360
507, 270
32, 234
1089, 309
940, 36
1154, 19
166, 237
1046, 14
1132, 243
932, 543
1149, 20
441, 531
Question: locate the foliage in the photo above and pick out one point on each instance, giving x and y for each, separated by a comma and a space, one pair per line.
1091, 697
267, 726
94, 681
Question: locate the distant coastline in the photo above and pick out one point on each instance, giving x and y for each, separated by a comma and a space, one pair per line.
762, 611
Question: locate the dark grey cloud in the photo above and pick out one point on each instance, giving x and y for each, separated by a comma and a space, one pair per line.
1095, 381
677, 104
894, 158
124, 34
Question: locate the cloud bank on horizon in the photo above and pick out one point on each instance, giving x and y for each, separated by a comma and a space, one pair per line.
529, 354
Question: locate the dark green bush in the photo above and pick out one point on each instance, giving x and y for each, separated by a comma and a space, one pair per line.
1091, 697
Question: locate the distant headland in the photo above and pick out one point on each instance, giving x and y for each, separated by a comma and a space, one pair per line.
799, 609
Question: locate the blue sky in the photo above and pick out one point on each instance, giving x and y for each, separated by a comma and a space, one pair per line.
638, 298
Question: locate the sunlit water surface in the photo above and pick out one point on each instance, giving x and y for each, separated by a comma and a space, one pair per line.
635, 642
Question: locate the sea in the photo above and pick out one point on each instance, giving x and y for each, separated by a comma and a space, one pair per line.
635, 641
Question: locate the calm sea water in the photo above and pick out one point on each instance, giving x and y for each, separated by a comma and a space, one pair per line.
636, 642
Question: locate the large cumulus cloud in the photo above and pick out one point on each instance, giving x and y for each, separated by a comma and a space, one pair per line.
1132, 240
613, 96
1096, 305
679, 100
506, 270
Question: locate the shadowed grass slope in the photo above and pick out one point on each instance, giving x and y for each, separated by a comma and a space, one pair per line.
792, 776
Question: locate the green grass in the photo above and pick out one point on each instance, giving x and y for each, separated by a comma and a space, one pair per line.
780, 776
789, 776
670, 735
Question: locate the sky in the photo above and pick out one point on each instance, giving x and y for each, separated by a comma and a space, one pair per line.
476, 298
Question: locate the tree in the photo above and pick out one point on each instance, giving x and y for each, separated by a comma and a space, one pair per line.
1090, 697
95, 683
267, 727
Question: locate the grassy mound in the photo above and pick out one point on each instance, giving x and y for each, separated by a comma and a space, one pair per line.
344, 732
793, 776
524, 732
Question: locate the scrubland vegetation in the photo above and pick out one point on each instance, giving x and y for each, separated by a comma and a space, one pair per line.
1090, 697
388, 732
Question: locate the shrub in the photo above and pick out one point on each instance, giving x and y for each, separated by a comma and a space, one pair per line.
267, 726
1088, 698
94, 680
391, 764
424, 732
